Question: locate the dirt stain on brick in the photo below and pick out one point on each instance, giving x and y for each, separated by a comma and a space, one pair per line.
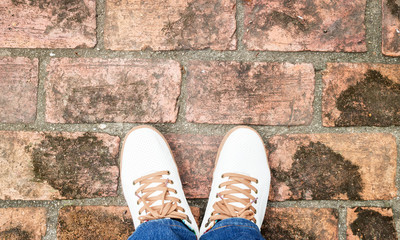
320, 173
102, 103
15, 234
275, 229
73, 165
75, 224
193, 21
374, 101
394, 7
371, 225
65, 13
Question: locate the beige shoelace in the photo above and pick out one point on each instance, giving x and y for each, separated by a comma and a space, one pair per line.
223, 209
169, 207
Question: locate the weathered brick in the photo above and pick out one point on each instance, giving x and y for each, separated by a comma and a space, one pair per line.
361, 95
250, 93
22, 223
94, 222
46, 166
170, 25
47, 24
98, 222
112, 90
18, 89
391, 28
370, 223
302, 25
358, 166
195, 157
300, 223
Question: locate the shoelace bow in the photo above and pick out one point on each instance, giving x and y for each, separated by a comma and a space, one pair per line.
169, 207
223, 209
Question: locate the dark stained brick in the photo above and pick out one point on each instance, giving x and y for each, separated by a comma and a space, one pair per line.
18, 89
47, 166
250, 93
98, 222
303, 25
361, 95
332, 166
195, 156
22, 223
170, 25
94, 222
370, 223
112, 90
391, 28
47, 24
300, 223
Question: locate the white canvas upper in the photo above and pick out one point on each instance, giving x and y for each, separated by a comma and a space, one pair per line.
242, 151
146, 151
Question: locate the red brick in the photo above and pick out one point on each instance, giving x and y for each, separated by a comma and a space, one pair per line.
359, 166
47, 24
250, 93
391, 28
94, 222
195, 156
300, 223
22, 223
370, 223
98, 222
360, 94
112, 90
47, 166
18, 89
170, 25
319, 25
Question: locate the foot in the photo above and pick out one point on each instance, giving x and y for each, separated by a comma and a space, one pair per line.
241, 179
150, 179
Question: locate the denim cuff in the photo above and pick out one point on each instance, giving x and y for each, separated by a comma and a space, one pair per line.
238, 222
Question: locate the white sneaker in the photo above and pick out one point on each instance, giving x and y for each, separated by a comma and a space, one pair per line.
241, 179
150, 179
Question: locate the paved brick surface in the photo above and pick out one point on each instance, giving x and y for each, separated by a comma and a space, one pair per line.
391, 27
250, 93
333, 166
195, 156
98, 222
112, 90
361, 95
303, 25
47, 24
94, 222
18, 89
170, 25
300, 223
370, 223
22, 223
46, 166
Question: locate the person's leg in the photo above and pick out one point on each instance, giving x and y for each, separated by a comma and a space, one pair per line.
153, 189
240, 188
163, 229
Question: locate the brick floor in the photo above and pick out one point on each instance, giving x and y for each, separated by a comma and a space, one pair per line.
319, 80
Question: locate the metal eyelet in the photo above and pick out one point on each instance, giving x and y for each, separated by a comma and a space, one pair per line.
256, 180
168, 173
179, 201
172, 182
256, 191
219, 186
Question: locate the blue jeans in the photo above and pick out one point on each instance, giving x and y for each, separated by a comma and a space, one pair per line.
231, 228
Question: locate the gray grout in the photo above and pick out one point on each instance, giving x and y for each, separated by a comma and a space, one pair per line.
318, 59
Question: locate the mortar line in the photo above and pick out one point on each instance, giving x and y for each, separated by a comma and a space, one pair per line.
240, 25
100, 22
342, 223
41, 94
